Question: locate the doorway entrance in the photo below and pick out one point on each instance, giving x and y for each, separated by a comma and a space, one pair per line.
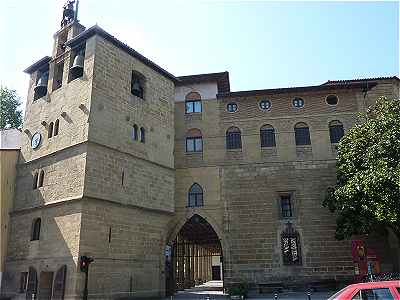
195, 256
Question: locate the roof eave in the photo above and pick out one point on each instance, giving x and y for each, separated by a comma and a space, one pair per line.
32, 68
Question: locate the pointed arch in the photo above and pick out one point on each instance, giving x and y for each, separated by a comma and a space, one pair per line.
35, 231
41, 178
56, 127
195, 196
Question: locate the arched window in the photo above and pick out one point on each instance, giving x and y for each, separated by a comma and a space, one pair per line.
35, 233
50, 130
195, 196
135, 133
336, 131
267, 136
142, 135
233, 138
194, 141
302, 134
41, 178
137, 84
290, 240
56, 127
193, 103
35, 181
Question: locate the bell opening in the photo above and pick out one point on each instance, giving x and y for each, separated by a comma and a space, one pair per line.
76, 69
40, 89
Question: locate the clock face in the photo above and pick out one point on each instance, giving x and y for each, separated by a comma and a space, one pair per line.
36, 139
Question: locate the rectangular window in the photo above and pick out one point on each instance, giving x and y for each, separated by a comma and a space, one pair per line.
193, 106
286, 206
268, 138
194, 144
302, 136
23, 282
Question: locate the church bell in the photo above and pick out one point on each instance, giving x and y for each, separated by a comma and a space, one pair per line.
77, 66
41, 85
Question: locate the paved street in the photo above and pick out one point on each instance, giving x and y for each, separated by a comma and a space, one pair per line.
212, 290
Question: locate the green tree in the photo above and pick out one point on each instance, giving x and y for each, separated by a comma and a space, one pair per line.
367, 193
10, 115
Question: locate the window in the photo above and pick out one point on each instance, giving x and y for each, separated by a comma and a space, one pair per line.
50, 130
376, 294
194, 141
23, 282
332, 99
142, 135
232, 107
265, 104
286, 206
193, 103
58, 75
290, 241
336, 131
233, 138
35, 234
195, 196
135, 132
137, 84
298, 102
35, 180
56, 127
267, 136
302, 134
41, 178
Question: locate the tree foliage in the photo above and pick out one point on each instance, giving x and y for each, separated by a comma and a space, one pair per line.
367, 193
10, 115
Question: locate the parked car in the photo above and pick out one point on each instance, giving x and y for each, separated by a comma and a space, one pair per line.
378, 290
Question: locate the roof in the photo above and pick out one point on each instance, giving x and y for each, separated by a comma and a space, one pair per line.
222, 79
360, 80
99, 31
37, 65
302, 89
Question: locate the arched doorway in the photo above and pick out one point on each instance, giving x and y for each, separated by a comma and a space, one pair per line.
195, 256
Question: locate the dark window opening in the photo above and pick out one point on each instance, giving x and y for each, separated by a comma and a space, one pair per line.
142, 135
194, 144
302, 134
267, 136
137, 84
336, 131
35, 234
291, 252
286, 206
193, 106
135, 133
56, 127
109, 235
233, 138
58, 75
122, 177
195, 196
41, 179
77, 63
35, 181
332, 99
50, 130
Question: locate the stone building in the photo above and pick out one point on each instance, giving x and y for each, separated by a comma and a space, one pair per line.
10, 140
171, 181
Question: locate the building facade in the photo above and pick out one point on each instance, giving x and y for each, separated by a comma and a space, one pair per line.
10, 140
154, 176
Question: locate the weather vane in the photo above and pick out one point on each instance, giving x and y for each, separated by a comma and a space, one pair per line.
69, 13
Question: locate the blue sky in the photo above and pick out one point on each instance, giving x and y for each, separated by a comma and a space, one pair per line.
262, 44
